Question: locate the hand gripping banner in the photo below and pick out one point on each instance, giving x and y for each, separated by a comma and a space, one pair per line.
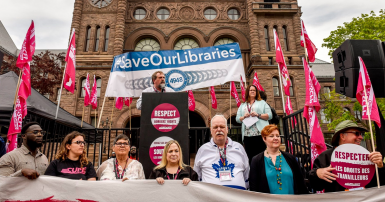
184, 69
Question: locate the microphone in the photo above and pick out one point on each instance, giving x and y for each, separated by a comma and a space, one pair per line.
162, 86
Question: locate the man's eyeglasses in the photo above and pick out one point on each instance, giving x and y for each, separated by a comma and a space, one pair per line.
36, 132
357, 133
80, 142
125, 144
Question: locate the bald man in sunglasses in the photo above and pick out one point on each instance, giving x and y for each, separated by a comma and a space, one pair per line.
27, 160
321, 176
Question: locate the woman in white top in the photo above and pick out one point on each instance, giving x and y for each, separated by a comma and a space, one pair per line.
121, 167
254, 106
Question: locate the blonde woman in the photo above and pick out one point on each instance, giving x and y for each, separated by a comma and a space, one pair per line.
71, 162
172, 167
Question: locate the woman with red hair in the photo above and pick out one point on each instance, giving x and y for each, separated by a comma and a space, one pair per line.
274, 171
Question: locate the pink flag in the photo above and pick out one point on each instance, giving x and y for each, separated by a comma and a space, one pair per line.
243, 91
16, 124
213, 98
69, 78
234, 93
25, 56
365, 83
314, 79
256, 82
119, 103
87, 96
191, 100
311, 93
289, 110
128, 101
94, 95
280, 59
28, 47
310, 47
316, 136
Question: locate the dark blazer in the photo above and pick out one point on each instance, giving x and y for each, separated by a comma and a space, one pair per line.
258, 180
187, 172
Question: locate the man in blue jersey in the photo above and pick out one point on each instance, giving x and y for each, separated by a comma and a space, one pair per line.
222, 161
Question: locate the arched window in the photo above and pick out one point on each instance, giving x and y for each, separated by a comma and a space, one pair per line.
346, 109
284, 31
140, 14
106, 38
223, 41
83, 93
163, 14
147, 44
97, 36
186, 43
233, 14
267, 38
88, 38
358, 114
210, 14
291, 89
99, 85
276, 87
323, 116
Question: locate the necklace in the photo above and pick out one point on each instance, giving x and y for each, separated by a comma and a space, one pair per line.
277, 168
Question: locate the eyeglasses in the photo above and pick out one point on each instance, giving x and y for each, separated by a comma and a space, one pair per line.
356, 133
36, 132
79, 142
125, 144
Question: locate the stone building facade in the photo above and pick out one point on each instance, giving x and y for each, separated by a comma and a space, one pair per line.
111, 27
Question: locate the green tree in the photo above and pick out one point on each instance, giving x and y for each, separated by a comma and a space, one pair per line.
368, 26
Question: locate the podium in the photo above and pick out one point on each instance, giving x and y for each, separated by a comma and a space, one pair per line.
164, 117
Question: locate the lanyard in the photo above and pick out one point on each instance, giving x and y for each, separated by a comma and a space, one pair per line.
177, 172
117, 174
224, 153
250, 108
156, 91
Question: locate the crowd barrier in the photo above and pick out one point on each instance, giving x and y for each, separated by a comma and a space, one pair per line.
45, 189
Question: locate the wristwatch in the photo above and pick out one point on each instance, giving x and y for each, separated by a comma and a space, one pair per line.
259, 116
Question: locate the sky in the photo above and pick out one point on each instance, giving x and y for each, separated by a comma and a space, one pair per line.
53, 19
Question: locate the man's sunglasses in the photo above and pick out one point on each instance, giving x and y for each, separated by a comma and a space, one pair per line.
356, 133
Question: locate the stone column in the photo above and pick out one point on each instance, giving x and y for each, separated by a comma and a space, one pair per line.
119, 28
253, 27
76, 19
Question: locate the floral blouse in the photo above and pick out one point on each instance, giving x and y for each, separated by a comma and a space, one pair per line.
252, 130
134, 170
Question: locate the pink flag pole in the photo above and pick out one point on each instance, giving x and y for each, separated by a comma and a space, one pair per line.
280, 78
304, 41
371, 131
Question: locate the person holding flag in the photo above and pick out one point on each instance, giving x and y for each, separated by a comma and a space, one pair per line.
251, 134
321, 176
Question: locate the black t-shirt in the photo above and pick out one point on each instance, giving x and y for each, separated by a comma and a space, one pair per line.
70, 169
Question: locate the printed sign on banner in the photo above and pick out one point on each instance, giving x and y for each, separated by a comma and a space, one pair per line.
353, 167
184, 69
165, 117
156, 149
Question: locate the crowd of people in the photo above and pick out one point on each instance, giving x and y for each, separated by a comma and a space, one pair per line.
256, 165
221, 161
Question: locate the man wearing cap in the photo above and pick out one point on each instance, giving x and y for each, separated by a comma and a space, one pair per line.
321, 176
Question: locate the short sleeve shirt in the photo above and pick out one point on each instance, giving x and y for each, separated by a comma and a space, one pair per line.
70, 169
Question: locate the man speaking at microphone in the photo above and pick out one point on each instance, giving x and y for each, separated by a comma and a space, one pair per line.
158, 79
